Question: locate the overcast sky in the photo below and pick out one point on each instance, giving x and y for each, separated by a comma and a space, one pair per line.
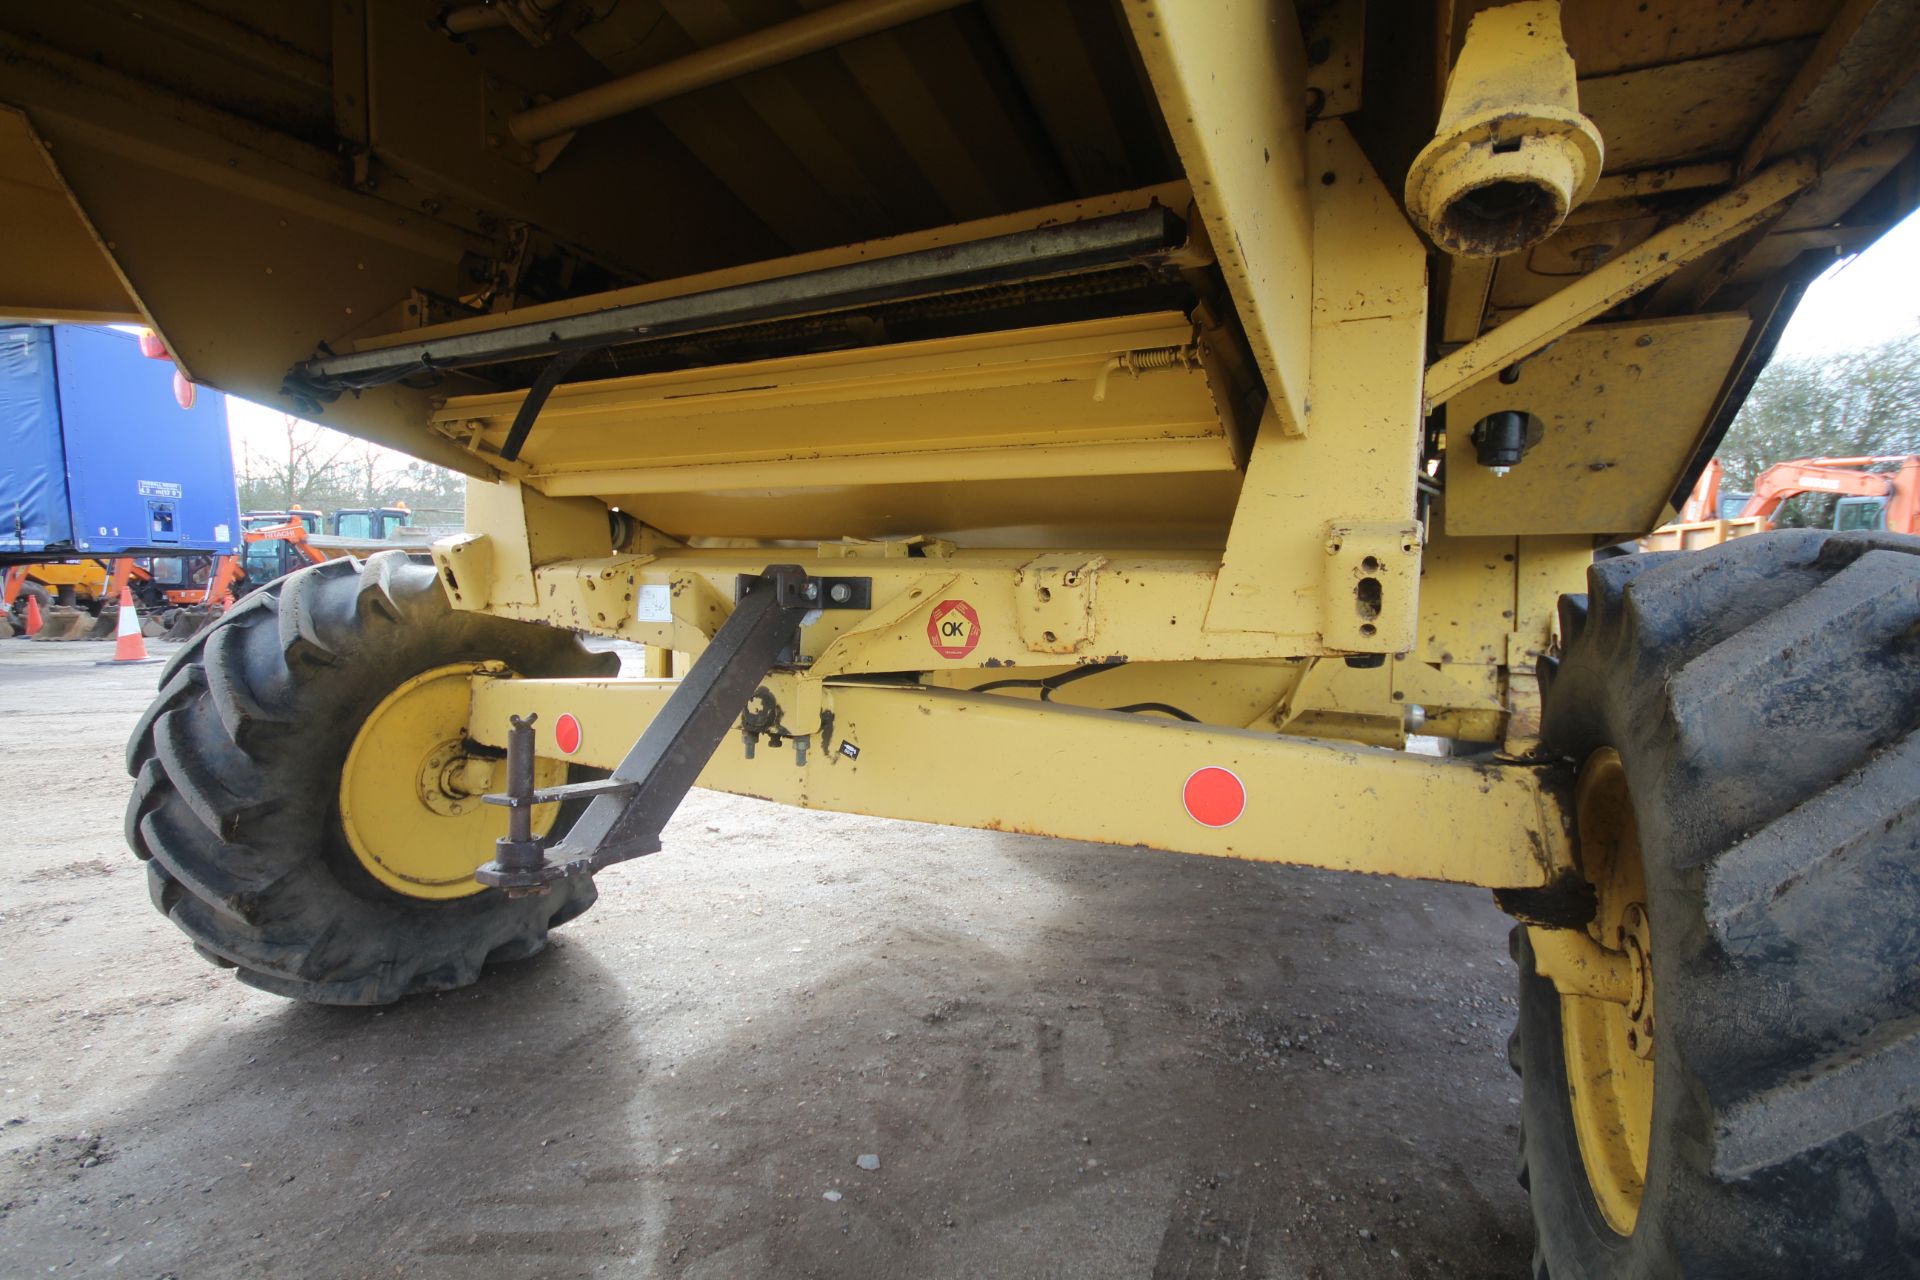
1865, 300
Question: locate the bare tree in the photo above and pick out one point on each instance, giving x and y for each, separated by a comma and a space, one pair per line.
306, 471
313, 466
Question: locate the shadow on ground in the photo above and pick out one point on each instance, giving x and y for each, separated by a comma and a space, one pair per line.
1070, 1060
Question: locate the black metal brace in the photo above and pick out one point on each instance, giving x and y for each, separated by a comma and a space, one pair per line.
550, 375
629, 808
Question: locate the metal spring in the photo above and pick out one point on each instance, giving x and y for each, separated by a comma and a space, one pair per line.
1145, 359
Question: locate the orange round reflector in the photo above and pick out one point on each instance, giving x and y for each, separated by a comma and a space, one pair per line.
1214, 797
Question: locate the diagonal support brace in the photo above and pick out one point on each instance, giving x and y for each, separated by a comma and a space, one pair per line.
628, 810
1718, 222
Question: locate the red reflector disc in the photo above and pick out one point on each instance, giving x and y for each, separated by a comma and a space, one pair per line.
566, 734
1214, 797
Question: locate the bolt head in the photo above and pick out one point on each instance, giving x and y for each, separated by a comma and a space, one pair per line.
840, 593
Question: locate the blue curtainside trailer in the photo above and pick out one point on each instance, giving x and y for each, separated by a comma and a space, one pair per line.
98, 458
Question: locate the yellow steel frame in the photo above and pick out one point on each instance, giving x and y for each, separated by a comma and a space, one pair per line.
1233, 79
1319, 558
1325, 513
1006, 764
1034, 608
1305, 542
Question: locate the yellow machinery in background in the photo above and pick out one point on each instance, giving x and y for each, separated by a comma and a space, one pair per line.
1129, 420
71, 581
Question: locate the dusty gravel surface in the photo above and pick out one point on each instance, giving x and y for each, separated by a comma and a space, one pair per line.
1070, 1060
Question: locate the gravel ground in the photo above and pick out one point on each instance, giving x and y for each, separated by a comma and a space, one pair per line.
1070, 1060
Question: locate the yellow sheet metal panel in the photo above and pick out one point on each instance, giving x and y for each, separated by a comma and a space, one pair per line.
1013, 392
1466, 599
1316, 509
972, 436
1449, 687
1621, 407
1353, 704
1688, 110
243, 255
635, 488
1609, 36
524, 530
938, 755
438, 112
52, 266
1162, 509
1231, 77
1550, 567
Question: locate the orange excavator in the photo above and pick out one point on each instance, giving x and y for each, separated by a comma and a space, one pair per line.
270, 550
267, 552
1880, 491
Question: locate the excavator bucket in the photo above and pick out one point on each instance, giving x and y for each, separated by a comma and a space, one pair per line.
66, 623
185, 623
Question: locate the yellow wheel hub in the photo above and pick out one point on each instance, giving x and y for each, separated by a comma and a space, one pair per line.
1608, 1027
410, 792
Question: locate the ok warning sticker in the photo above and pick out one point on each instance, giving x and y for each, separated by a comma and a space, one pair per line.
953, 628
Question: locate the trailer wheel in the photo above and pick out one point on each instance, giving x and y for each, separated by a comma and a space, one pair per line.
1742, 724
307, 800
34, 591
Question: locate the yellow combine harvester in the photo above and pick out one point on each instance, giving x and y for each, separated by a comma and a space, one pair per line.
1119, 420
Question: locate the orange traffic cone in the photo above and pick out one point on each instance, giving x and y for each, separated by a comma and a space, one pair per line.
34, 620
128, 645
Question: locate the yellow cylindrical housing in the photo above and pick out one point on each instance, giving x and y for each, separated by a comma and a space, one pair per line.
1512, 154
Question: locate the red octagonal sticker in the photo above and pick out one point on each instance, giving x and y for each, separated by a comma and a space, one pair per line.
953, 628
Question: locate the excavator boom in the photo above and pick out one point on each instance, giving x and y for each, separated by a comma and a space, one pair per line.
1786, 480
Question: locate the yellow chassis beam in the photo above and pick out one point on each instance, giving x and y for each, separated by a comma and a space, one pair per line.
1028, 607
1008, 764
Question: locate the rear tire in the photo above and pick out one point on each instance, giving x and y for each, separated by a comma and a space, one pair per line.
1763, 697
236, 800
31, 591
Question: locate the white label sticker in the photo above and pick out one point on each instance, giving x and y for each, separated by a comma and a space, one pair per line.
157, 488
219, 533
655, 603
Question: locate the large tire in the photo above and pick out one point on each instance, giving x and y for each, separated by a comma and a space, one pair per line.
1763, 697
238, 765
31, 591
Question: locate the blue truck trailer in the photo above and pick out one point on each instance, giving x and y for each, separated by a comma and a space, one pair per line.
99, 458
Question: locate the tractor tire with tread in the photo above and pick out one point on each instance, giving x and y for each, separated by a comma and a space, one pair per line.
1764, 698
237, 767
